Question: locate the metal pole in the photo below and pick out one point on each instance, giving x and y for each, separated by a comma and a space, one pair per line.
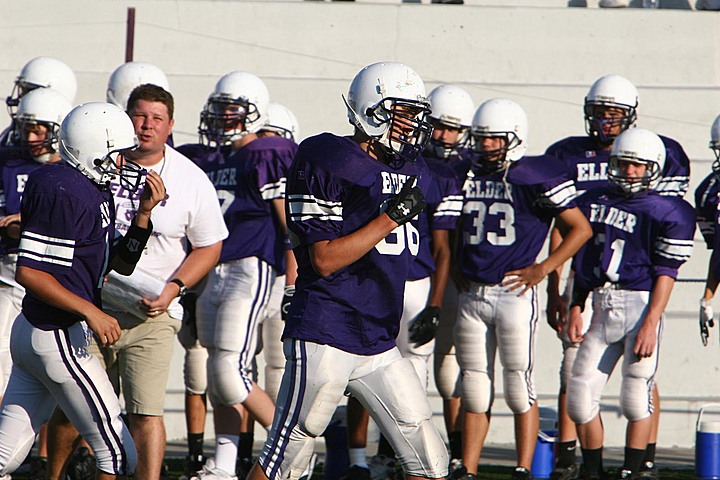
130, 34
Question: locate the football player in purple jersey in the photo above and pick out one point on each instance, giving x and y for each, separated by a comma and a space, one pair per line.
706, 206
451, 115
641, 239
220, 132
610, 108
451, 118
510, 201
352, 213
40, 72
251, 189
68, 243
34, 143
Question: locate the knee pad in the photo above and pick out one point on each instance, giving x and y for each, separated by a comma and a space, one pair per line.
478, 393
448, 376
227, 383
394, 396
195, 370
519, 394
580, 404
635, 398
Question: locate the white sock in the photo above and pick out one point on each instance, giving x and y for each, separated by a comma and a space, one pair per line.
226, 448
358, 457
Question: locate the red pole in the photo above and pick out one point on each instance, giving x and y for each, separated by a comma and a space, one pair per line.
130, 34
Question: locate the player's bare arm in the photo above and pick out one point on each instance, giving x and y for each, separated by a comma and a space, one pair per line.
646, 339
195, 266
329, 256
556, 309
45, 287
579, 232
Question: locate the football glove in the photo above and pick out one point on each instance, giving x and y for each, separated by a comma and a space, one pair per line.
425, 326
287, 298
706, 320
402, 207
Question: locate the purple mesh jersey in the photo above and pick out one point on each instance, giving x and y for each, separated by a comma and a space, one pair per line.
507, 215
444, 205
334, 189
247, 183
16, 164
588, 164
204, 157
708, 217
635, 238
67, 226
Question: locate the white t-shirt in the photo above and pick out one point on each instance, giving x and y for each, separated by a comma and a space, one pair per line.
191, 213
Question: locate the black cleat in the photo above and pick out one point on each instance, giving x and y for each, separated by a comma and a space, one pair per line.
81, 465
648, 471
566, 472
520, 473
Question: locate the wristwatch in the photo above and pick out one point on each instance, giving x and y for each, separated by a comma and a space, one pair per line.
179, 283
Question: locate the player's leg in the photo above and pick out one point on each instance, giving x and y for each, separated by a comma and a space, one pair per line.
637, 385
395, 398
195, 379
648, 469
476, 346
246, 286
313, 385
596, 359
272, 328
357, 428
447, 375
516, 321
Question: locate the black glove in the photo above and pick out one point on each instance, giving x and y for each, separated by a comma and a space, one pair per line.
287, 298
425, 326
706, 320
402, 207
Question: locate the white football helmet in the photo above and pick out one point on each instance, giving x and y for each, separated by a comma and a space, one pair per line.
42, 106
92, 136
45, 72
451, 107
715, 144
237, 106
282, 121
500, 117
639, 146
130, 75
387, 102
610, 91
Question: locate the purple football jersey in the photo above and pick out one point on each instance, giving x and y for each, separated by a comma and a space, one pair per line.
635, 238
334, 189
444, 205
247, 183
16, 164
204, 157
507, 215
708, 217
67, 224
588, 164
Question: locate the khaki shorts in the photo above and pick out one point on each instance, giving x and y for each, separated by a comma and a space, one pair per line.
139, 363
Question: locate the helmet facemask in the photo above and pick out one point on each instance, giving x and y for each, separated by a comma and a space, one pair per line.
496, 159
224, 120
442, 149
20, 89
632, 185
103, 170
596, 122
407, 130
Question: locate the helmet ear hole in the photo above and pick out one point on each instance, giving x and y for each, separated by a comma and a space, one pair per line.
97, 162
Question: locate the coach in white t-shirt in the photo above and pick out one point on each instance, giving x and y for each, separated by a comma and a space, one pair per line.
188, 220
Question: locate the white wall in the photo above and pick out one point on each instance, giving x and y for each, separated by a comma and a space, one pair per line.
307, 52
